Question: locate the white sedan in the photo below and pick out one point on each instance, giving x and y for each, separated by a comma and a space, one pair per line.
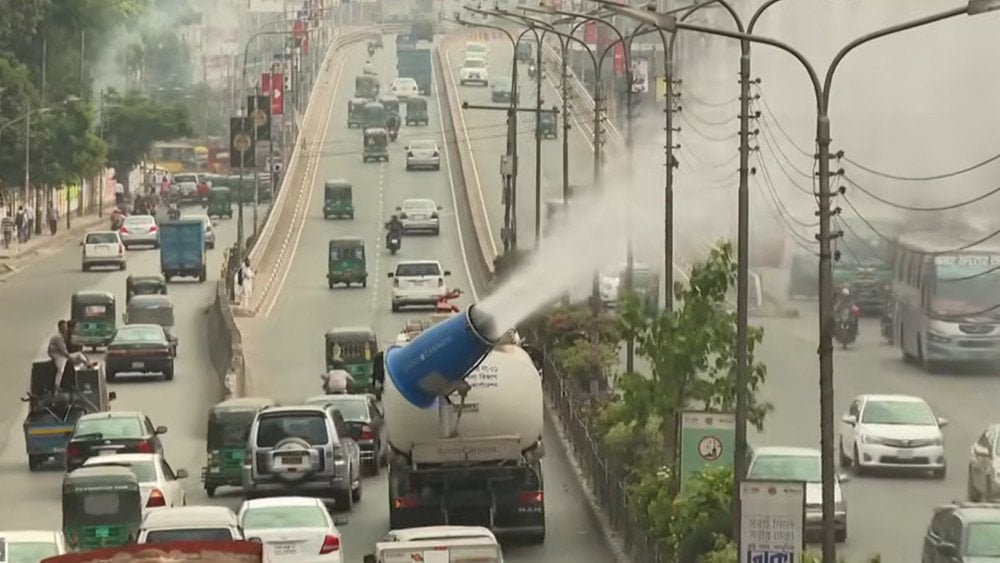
292, 529
420, 215
30, 546
423, 153
404, 88
159, 485
892, 432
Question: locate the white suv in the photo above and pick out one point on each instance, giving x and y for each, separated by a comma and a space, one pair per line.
102, 248
417, 282
475, 71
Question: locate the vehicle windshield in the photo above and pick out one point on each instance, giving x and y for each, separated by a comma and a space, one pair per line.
142, 334
418, 269
786, 468
185, 178
308, 427
144, 471
474, 63
419, 206
983, 540
966, 284
110, 428
351, 351
163, 316
476, 48
102, 238
344, 253
861, 249
30, 552
423, 145
190, 534
898, 412
266, 518
351, 409
229, 429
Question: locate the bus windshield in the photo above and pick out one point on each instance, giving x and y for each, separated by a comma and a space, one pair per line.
967, 284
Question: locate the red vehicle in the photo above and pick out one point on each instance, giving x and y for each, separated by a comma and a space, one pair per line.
207, 551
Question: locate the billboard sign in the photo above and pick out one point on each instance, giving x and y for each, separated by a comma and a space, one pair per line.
772, 521
707, 440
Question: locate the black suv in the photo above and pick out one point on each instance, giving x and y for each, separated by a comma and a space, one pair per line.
305, 451
963, 532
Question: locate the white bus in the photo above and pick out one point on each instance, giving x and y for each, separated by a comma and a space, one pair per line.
946, 302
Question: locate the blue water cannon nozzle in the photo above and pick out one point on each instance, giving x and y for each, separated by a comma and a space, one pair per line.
435, 363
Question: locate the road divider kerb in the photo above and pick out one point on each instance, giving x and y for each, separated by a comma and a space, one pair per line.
224, 337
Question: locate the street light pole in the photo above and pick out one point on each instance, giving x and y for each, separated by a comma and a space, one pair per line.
822, 91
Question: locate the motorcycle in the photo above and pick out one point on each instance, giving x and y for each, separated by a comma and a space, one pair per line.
393, 133
117, 220
173, 212
371, 49
846, 329
393, 243
532, 71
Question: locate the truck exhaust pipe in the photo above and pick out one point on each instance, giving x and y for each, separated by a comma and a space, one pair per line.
436, 362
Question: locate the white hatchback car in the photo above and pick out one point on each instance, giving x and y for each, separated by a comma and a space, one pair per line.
474, 71
292, 529
892, 432
159, 485
802, 464
417, 282
404, 88
102, 248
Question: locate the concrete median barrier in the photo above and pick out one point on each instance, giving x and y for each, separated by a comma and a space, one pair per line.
226, 344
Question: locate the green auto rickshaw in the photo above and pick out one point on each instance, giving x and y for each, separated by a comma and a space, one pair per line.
356, 112
346, 262
94, 313
366, 87
153, 284
547, 125
356, 347
416, 111
220, 203
525, 52
228, 428
390, 103
338, 199
101, 507
375, 116
376, 147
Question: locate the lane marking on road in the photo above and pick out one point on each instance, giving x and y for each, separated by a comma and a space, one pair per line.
378, 237
298, 224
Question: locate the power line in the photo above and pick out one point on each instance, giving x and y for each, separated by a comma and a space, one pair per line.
777, 199
767, 131
784, 171
971, 276
767, 108
703, 102
702, 134
954, 173
727, 121
965, 203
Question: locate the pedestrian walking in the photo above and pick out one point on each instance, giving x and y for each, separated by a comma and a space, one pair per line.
119, 193
7, 228
244, 280
29, 218
52, 216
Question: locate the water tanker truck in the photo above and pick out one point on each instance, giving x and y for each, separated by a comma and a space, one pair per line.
464, 422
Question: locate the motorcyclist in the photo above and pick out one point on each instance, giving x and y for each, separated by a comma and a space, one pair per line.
395, 228
392, 123
173, 210
337, 380
117, 219
369, 68
843, 306
444, 304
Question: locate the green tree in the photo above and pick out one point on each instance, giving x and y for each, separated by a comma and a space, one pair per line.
63, 147
134, 123
692, 357
17, 97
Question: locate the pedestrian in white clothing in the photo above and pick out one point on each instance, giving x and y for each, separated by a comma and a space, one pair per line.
244, 281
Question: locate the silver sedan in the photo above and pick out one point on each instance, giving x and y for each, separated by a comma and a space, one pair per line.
420, 215
423, 153
140, 230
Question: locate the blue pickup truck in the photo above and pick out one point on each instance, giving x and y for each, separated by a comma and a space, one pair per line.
182, 249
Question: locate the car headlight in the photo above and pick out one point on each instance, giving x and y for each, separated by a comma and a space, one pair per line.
872, 440
936, 338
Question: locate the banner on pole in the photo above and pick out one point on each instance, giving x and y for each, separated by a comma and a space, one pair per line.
772, 521
707, 440
619, 57
241, 144
277, 92
265, 82
259, 108
640, 76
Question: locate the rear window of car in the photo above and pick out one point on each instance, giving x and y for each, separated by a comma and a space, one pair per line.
352, 409
142, 334
140, 220
423, 145
189, 534
102, 238
114, 427
30, 552
308, 427
405, 82
185, 178
270, 517
421, 269
419, 205
144, 471
474, 63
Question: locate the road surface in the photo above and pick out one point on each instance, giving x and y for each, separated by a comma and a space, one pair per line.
33, 300
285, 349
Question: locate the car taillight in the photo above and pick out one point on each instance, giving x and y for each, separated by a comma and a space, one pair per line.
123, 229
121, 249
407, 502
531, 497
73, 450
435, 155
144, 447
440, 282
247, 459
330, 544
152, 228
434, 215
409, 154
395, 283
156, 499
367, 433
338, 452
402, 215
